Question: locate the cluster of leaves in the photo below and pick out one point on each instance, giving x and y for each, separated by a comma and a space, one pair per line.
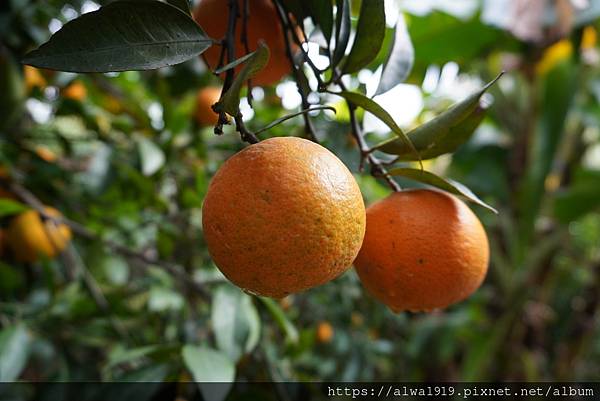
135, 179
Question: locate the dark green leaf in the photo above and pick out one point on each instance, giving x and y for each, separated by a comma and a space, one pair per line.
447, 185
582, 197
343, 26
183, 5
374, 108
235, 321
557, 94
435, 136
12, 89
15, 344
124, 35
369, 36
321, 13
439, 37
230, 101
400, 59
213, 371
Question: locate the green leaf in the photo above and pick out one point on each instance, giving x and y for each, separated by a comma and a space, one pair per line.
370, 33
15, 345
454, 138
435, 136
374, 108
234, 63
124, 35
213, 371
8, 207
235, 322
557, 95
151, 156
230, 101
281, 319
445, 184
400, 59
343, 27
439, 37
12, 89
582, 197
321, 13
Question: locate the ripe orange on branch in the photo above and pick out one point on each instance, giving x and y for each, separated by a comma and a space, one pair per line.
263, 24
206, 97
31, 238
282, 216
423, 250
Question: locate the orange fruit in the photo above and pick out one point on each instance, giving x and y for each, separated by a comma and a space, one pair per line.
263, 24
324, 332
423, 249
45, 154
282, 216
76, 91
33, 78
206, 97
31, 238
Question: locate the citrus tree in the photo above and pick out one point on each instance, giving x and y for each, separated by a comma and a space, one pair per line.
172, 219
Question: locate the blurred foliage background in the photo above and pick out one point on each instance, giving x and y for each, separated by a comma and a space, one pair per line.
122, 155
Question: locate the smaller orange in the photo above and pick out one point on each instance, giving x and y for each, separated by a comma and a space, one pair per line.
45, 154
324, 332
206, 97
33, 78
31, 238
423, 250
75, 91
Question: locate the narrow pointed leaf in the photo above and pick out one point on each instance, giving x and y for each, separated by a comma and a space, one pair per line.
343, 26
454, 138
321, 13
445, 184
124, 35
374, 108
434, 132
370, 33
233, 64
230, 101
400, 60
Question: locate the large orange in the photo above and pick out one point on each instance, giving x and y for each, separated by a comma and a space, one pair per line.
282, 216
263, 24
206, 97
31, 238
423, 249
